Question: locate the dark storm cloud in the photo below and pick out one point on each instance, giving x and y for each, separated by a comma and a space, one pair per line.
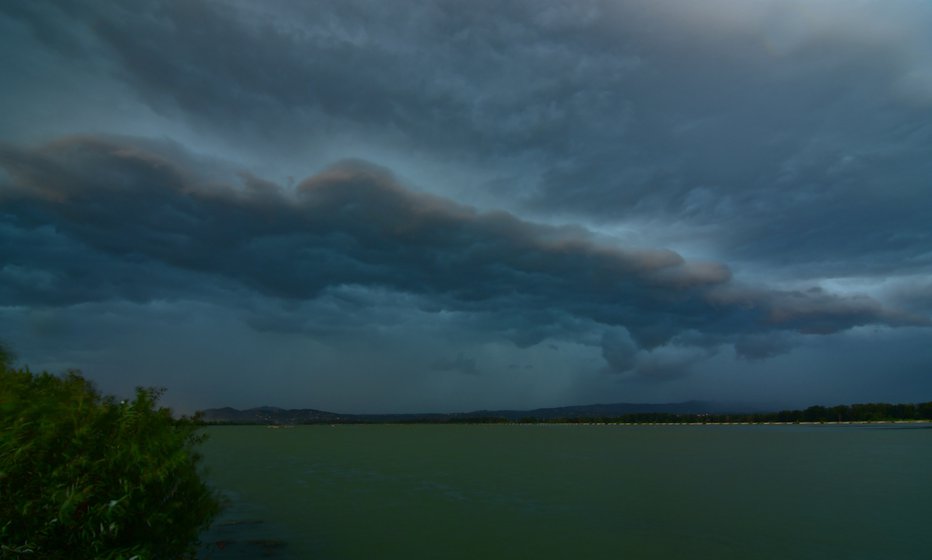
787, 138
781, 128
41, 266
464, 77
619, 350
353, 224
350, 224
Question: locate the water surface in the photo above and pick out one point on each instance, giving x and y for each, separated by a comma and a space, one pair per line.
555, 491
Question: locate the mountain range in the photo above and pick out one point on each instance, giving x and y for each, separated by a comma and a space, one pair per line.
275, 415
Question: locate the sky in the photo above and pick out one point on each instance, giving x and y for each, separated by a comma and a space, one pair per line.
368, 206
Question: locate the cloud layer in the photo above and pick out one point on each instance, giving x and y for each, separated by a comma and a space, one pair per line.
652, 189
132, 209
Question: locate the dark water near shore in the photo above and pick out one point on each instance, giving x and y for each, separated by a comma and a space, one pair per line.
588, 492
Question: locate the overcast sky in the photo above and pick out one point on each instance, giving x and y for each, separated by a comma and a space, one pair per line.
371, 206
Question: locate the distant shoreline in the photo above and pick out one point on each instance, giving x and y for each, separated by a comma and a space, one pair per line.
686, 413
581, 423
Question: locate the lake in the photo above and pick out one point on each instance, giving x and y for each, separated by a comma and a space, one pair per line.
571, 492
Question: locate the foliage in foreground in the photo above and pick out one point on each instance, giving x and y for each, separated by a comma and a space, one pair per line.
86, 476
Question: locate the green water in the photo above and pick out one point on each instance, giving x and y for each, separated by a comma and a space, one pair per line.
575, 492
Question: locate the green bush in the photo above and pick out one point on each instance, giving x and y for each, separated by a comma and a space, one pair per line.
85, 476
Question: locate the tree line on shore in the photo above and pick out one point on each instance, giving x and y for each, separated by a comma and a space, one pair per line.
866, 412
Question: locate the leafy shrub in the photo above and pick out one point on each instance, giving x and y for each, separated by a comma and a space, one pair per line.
85, 476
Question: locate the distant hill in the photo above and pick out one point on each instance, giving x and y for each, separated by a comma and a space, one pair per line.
270, 415
274, 415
